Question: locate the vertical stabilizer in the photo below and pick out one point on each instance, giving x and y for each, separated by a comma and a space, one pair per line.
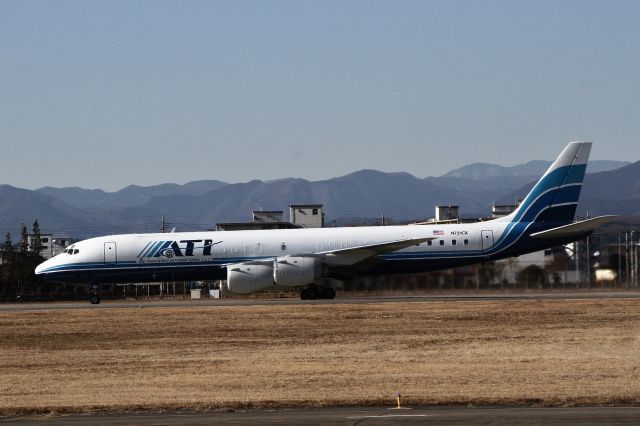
555, 197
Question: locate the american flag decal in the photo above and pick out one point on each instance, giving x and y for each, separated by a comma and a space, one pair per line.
438, 232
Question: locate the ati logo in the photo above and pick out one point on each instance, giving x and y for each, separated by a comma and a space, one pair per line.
180, 248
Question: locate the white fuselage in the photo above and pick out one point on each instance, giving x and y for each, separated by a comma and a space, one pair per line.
176, 251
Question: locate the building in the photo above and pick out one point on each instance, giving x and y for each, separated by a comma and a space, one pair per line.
447, 213
51, 246
252, 226
261, 219
501, 210
301, 216
268, 216
306, 215
47, 245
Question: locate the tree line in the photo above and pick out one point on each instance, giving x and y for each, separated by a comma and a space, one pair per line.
17, 276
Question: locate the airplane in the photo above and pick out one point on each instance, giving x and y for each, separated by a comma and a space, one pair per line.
254, 261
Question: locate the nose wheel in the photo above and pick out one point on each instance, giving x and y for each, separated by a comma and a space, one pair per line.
95, 294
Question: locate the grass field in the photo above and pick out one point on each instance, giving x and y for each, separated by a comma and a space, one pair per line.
480, 352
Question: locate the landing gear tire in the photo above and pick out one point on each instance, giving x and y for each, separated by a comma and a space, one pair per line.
304, 294
310, 293
95, 294
315, 292
327, 293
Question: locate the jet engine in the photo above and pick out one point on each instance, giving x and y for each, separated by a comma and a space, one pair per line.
292, 271
250, 277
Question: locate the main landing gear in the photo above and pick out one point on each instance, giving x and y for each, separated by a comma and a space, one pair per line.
95, 294
314, 292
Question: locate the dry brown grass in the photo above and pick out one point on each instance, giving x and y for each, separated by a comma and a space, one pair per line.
540, 352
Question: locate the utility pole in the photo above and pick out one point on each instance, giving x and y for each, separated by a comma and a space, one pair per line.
576, 254
588, 265
626, 258
632, 248
162, 230
634, 260
619, 261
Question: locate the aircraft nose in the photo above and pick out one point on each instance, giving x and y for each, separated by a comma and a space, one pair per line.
41, 267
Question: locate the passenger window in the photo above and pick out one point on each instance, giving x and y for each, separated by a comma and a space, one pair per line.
76, 251
429, 243
453, 242
441, 242
466, 242
283, 247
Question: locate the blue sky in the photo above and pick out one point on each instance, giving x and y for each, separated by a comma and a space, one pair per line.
110, 93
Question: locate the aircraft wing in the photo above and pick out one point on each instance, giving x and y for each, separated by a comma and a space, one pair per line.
353, 255
575, 229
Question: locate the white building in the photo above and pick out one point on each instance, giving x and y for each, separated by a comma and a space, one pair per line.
268, 216
446, 213
51, 246
306, 215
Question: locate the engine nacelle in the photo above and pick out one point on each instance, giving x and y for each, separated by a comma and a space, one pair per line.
292, 271
245, 278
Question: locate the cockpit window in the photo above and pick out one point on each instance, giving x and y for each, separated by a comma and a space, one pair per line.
70, 250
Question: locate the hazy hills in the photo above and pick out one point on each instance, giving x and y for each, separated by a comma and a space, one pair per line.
607, 192
132, 195
531, 168
363, 194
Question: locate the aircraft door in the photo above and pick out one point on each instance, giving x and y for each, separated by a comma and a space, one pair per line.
110, 255
487, 239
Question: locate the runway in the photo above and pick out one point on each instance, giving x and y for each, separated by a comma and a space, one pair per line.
356, 416
452, 297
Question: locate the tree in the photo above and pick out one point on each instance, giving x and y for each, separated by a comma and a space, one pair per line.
24, 241
532, 274
486, 275
26, 262
8, 259
36, 241
8, 249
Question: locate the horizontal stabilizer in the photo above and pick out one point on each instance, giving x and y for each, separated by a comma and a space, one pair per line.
575, 229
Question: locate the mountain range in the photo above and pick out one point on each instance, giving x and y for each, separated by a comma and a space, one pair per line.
610, 187
531, 168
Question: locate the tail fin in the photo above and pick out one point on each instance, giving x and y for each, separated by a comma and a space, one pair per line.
555, 197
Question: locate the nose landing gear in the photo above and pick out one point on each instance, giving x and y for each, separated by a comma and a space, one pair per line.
95, 294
